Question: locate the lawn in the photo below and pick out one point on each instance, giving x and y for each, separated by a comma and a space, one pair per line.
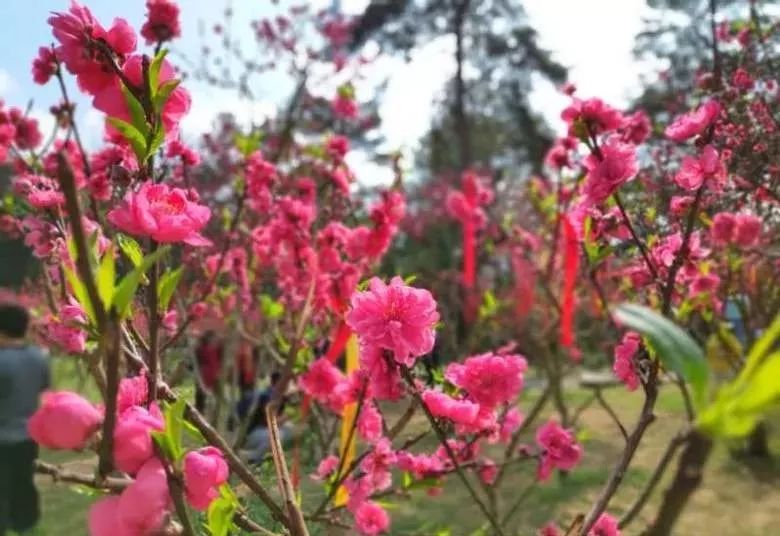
737, 497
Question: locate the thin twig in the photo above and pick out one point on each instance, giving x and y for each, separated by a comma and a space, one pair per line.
407, 376
297, 524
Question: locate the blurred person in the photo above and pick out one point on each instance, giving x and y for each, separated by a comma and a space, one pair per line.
24, 375
251, 409
208, 360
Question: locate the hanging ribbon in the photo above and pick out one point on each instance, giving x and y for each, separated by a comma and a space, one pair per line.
570, 266
469, 268
347, 444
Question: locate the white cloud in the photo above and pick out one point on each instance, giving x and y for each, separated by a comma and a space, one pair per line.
7, 84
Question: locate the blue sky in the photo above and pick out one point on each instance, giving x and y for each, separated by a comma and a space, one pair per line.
592, 37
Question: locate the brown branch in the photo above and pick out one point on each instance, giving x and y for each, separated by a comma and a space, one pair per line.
60, 474
646, 417
112, 349
666, 458
73, 209
635, 237
687, 479
297, 525
176, 490
603, 403
154, 327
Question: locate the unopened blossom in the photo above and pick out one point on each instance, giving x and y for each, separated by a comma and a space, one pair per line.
395, 317
605, 525
144, 505
326, 468
487, 471
442, 405
560, 449
133, 444
693, 123
624, 365
162, 21
489, 379
205, 470
44, 65
65, 420
162, 213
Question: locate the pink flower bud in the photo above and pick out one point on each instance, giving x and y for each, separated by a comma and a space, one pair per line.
204, 471
133, 444
65, 420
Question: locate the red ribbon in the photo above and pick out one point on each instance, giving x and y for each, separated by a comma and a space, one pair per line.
570, 265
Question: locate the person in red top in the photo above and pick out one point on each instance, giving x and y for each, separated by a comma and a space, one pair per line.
208, 356
246, 362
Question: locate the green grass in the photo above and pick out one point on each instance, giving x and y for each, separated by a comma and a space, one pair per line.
732, 487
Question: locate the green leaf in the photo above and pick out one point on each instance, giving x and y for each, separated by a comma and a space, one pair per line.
164, 93
675, 348
759, 350
105, 277
154, 70
123, 295
174, 426
131, 249
167, 286
271, 308
136, 111
763, 389
157, 141
133, 136
163, 440
248, 143
220, 516
80, 293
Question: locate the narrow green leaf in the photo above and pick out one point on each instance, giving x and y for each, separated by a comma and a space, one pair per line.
131, 249
763, 389
133, 136
80, 293
220, 516
163, 441
675, 348
167, 286
164, 93
105, 277
136, 111
154, 70
157, 141
174, 426
123, 295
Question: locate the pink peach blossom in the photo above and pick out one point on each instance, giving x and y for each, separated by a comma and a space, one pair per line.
560, 449
162, 213
395, 317
133, 444
489, 379
371, 519
693, 123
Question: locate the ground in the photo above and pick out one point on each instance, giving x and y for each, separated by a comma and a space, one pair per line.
738, 497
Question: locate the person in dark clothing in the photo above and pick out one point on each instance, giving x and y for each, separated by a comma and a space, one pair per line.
24, 374
208, 357
252, 407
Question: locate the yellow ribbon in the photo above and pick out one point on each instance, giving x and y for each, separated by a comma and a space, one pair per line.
347, 446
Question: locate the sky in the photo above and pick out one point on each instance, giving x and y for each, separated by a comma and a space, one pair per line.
593, 38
